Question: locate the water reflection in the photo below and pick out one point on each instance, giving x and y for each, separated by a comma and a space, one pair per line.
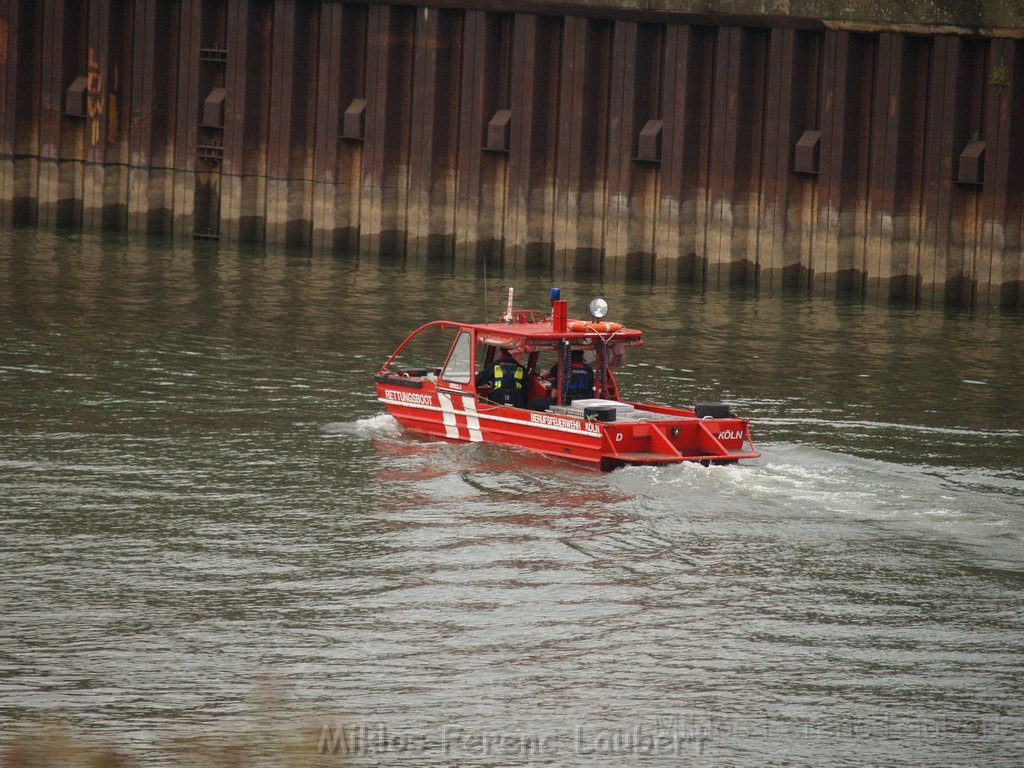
199, 491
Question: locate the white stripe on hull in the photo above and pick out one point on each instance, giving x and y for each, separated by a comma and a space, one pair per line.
479, 415
451, 427
472, 421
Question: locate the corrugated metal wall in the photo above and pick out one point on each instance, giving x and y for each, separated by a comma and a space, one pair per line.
882, 164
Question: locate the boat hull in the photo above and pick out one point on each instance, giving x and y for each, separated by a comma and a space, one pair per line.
669, 436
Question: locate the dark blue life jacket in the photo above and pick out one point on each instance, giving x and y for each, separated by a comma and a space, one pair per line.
507, 374
581, 382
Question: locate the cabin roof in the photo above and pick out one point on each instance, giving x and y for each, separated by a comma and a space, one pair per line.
541, 332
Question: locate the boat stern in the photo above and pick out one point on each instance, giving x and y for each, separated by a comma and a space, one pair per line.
668, 441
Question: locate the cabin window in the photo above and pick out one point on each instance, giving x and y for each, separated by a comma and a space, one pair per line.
459, 368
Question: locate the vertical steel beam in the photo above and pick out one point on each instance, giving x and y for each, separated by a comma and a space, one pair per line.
858, 159
328, 112
499, 67
248, 81
302, 138
351, 91
959, 235
776, 259
426, 55
186, 113
153, 84
236, 115
527, 70
470, 132
533, 150
620, 146
485, 89
1010, 276
164, 116
644, 177
51, 78
97, 120
912, 139
835, 48
736, 148
939, 168
382, 215
567, 165
282, 102
74, 131
900, 103
788, 222
434, 134
804, 114
999, 253
695, 205
445, 135
882, 174
841, 212
583, 140
724, 139
144, 39
117, 111
8, 100
675, 147
28, 98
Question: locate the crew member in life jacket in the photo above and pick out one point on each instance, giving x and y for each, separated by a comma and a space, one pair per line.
581, 378
507, 380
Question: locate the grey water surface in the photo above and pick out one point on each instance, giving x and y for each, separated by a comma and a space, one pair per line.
202, 501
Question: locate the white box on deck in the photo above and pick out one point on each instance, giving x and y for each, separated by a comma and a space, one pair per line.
594, 402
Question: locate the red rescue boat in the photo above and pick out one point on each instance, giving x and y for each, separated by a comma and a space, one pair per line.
452, 403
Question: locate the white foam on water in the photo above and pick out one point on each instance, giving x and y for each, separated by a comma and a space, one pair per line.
380, 425
446, 487
884, 425
797, 481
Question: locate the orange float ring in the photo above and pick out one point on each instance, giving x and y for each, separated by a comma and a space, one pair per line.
581, 326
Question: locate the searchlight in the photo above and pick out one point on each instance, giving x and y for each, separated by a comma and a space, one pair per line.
598, 308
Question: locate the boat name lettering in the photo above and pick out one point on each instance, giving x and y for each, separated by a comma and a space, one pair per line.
556, 421
408, 397
730, 434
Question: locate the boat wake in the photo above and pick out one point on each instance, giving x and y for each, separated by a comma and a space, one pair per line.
379, 425
799, 481
884, 426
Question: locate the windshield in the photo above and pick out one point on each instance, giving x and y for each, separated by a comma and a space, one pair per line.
459, 369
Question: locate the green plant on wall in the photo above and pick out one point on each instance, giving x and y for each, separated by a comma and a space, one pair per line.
1000, 75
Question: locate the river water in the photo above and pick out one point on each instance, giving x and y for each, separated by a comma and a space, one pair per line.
208, 524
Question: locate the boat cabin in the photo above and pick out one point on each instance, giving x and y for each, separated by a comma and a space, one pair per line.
537, 344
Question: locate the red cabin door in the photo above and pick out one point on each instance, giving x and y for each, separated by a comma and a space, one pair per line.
456, 390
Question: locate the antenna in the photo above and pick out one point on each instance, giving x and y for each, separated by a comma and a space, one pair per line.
507, 317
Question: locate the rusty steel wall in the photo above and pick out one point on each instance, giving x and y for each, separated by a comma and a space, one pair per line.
783, 155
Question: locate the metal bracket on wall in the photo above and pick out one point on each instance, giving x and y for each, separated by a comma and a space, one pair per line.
971, 167
499, 131
648, 145
75, 98
210, 152
213, 109
214, 55
806, 156
353, 122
